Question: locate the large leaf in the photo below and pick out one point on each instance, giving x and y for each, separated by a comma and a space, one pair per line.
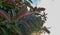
28, 19
33, 22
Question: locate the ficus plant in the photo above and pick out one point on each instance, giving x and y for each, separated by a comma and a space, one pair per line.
16, 19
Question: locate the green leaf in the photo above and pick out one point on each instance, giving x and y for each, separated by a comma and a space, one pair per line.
31, 1
16, 29
8, 5
5, 32
27, 3
36, 22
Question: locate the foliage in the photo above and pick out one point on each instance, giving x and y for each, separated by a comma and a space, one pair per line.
15, 19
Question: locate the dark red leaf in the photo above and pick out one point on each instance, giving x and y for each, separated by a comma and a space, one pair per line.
45, 29
31, 7
22, 13
35, 8
11, 1
4, 15
40, 9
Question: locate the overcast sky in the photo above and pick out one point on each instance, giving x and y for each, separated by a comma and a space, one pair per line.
53, 10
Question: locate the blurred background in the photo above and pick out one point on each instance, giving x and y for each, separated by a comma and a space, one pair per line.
53, 10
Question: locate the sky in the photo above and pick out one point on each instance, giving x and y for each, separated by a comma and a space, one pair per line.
35, 2
53, 10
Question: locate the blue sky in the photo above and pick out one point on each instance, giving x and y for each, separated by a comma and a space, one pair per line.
35, 2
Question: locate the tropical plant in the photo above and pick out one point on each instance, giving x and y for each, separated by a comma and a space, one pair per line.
16, 19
